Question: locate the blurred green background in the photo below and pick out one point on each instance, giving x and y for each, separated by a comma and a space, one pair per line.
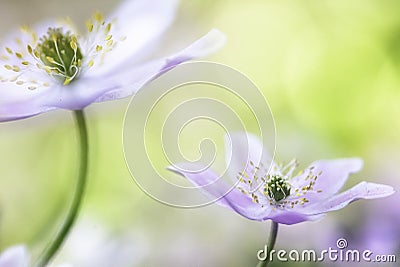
330, 71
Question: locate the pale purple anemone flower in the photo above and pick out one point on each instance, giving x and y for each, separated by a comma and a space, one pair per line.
265, 190
15, 256
52, 66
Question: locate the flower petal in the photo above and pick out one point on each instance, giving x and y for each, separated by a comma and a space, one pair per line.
86, 90
16, 256
17, 102
291, 217
206, 45
334, 174
224, 194
133, 79
243, 152
141, 22
362, 190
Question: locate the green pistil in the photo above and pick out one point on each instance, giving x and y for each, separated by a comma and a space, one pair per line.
60, 54
278, 188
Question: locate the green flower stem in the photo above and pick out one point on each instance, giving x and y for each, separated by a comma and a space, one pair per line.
66, 226
271, 244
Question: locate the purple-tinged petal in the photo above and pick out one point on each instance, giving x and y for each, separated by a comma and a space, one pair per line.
19, 111
291, 217
241, 148
17, 102
208, 44
16, 256
223, 193
362, 190
333, 175
141, 22
133, 79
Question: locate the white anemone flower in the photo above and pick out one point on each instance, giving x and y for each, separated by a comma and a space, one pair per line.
52, 66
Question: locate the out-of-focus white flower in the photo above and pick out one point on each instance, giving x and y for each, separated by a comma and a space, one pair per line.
15, 256
93, 244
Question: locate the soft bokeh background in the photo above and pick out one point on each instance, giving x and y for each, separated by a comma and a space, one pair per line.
331, 73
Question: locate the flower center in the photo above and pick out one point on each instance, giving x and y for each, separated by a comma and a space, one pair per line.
272, 186
277, 188
57, 53
60, 54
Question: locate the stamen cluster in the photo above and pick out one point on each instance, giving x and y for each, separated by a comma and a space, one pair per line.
59, 53
277, 188
272, 186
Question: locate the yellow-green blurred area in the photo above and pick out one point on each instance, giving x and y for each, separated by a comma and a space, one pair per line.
330, 71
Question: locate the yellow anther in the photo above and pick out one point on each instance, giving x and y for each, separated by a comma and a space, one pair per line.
9, 50
24, 28
68, 20
108, 28
8, 67
34, 37
91, 63
48, 70
108, 37
74, 38
19, 55
30, 50
98, 17
26, 63
255, 198
16, 68
67, 81
19, 82
99, 48
89, 25
73, 45
51, 60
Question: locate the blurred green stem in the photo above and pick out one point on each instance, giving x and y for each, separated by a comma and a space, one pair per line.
66, 226
270, 245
